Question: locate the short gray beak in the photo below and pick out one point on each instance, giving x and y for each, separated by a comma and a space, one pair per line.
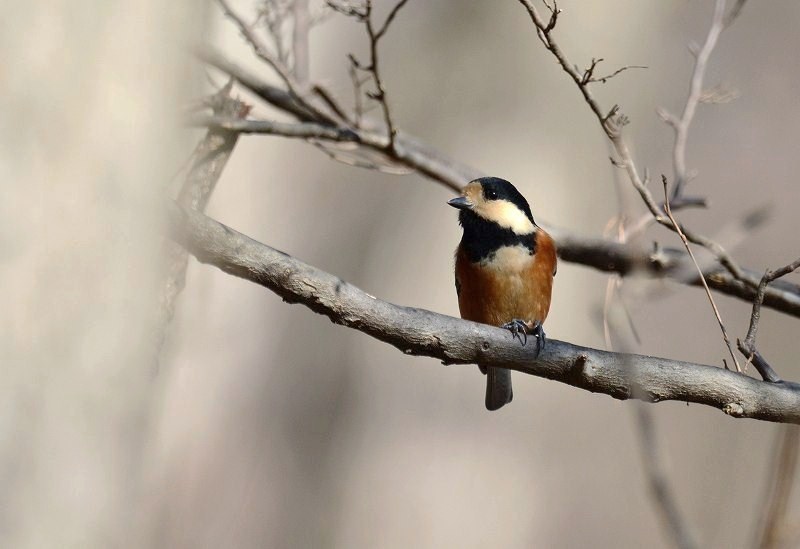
461, 203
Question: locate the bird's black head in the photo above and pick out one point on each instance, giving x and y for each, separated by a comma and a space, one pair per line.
494, 201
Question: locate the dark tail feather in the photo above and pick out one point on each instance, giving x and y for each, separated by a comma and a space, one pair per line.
498, 388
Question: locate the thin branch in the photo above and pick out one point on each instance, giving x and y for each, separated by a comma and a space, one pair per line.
330, 101
364, 14
589, 77
607, 77
611, 122
543, 31
259, 47
748, 346
392, 14
702, 277
374, 67
455, 341
768, 278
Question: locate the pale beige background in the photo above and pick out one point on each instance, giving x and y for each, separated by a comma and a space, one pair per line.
270, 427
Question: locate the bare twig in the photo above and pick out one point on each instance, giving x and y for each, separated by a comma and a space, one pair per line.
589, 77
769, 277
389, 18
543, 31
700, 273
364, 14
373, 67
455, 341
260, 48
607, 77
748, 346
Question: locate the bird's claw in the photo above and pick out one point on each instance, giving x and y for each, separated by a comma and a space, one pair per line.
519, 330
541, 340
517, 327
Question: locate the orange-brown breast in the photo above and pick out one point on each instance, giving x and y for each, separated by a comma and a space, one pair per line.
511, 284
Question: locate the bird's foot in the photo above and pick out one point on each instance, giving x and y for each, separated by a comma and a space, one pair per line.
517, 327
541, 340
519, 330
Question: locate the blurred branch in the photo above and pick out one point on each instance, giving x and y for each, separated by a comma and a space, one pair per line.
772, 534
720, 20
302, 25
209, 159
455, 341
661, 490
658, 481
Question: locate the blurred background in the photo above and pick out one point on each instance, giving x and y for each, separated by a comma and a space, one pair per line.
261, 424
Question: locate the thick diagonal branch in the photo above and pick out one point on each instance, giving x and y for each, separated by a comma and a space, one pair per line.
454, 341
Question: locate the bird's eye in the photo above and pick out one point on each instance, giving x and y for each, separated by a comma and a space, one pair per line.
490, 194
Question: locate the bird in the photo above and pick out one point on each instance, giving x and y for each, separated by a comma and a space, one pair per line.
504, 269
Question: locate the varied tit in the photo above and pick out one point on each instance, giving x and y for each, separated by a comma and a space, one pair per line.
505, 266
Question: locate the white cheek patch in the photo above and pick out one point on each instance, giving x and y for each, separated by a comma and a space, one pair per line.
507, 215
